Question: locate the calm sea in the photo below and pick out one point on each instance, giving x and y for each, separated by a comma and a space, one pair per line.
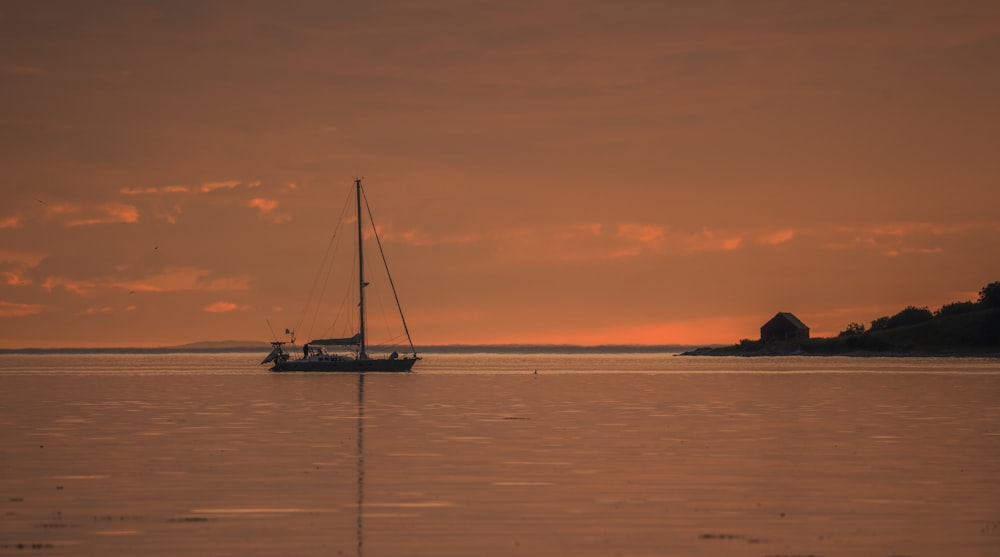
477, 455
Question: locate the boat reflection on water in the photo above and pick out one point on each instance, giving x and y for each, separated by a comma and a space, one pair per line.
361, 462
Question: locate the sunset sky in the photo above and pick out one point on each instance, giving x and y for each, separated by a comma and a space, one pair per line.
588, 172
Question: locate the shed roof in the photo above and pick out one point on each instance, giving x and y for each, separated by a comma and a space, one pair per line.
790, 318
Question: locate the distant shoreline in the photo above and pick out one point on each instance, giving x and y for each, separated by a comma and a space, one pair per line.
263, 348
736, 352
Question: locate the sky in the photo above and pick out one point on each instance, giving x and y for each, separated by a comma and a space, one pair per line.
588, 172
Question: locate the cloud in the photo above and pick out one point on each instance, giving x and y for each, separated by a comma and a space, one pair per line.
185, 279
266, 209
777, 237
155, 190
896, 239
596, 241
227, 185
709, 239
212, 186
13, 309
14, 279
177, 279
15, 265
19, 259
88, 215
910, 250
81, 288
224, 307
11, 222
264, 205
643, 233
61, 209
422, 238
168, 214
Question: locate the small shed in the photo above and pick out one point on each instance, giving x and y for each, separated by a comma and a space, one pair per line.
784, 326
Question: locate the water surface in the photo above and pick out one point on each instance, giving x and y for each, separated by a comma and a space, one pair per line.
594, 454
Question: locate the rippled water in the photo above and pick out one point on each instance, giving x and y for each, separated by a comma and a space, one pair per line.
480, 455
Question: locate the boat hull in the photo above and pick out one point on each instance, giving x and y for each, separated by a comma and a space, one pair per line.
365, 365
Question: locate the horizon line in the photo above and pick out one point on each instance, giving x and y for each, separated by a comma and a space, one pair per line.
254, 346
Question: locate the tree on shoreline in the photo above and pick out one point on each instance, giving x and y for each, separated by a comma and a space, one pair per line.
989, 296
853, 330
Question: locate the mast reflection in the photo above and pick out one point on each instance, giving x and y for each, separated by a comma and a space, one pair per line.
361, 461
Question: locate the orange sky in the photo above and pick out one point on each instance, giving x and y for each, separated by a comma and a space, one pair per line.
580, 172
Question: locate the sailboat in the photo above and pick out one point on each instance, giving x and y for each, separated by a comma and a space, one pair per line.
348, 354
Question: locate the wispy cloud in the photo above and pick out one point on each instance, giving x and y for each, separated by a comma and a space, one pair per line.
208, 187
224, 307
266, 208
184, 279
180, 279
14, 309
14, 279
11, 222
55, 210
16, 264
263, 204
226, 185
169, 214
108, 213
155, 190
205, 187
73, 215
643, 233
422, 238
81, 288
709, 239
896, 239
776, 238
594, 241
105, 310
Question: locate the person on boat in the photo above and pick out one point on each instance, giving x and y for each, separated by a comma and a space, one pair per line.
394, 355
305, 350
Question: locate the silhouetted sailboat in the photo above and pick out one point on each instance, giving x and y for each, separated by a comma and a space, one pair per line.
322, 354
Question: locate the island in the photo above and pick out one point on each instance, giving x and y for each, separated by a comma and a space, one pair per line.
959, 329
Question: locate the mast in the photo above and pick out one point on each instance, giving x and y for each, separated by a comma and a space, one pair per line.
361, 275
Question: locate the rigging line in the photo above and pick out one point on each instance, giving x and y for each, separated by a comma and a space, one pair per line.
352, 285
329, 271
342, 310
346, 328
371, 220
391, 342
315, 284
381, 308
274, 336
322, 292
